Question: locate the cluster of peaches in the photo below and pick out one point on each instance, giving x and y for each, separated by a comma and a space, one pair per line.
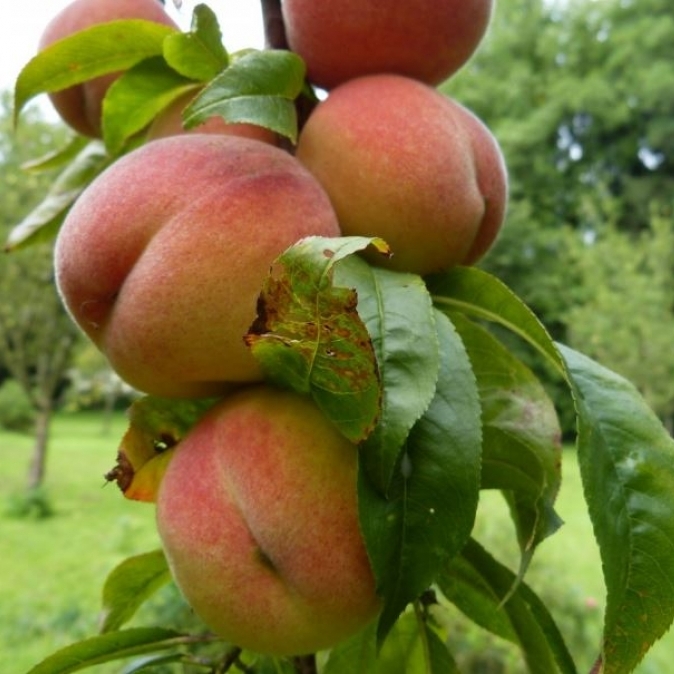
161, 259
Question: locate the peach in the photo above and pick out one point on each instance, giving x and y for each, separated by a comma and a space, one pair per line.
428, 40
258, 517
403, 162
162, 257
80, 106
169, 123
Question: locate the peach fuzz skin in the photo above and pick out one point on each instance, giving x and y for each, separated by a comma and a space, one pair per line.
161, 259
403, 162
169, 123
258, 517
428, 40
80, 106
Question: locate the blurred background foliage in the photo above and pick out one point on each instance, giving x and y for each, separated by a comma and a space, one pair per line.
579, 94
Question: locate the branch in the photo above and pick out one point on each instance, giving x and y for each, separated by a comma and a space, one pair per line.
274, 30
305, 664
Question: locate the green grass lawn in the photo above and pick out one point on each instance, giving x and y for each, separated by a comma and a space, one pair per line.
52, 570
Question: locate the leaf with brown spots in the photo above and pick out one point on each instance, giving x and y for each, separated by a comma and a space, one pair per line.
309, 337
156, 425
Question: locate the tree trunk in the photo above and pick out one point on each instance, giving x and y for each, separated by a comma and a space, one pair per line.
38, 462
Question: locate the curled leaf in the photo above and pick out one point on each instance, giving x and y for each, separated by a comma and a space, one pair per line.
156, 426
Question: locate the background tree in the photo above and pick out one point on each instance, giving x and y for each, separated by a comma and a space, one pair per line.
580, 111
577, 94
37, 338
626, 275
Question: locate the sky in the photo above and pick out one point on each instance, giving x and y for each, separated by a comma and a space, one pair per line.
21, 27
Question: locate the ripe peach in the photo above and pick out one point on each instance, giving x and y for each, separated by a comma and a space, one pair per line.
401, 161
428, 40
162, 257
258, 518
169, 123
80, 106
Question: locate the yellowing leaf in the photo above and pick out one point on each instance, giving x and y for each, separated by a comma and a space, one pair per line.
156, 426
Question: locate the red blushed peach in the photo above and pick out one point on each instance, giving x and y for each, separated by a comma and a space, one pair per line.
258, 517
403, 162
80, 106
162, 258
428, 40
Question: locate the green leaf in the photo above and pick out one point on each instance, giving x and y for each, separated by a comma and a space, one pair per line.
399, 315
101, 49
111, 646
357, 655
259, 88
43, 222
477, 584
481, 295
268, 665
58, 158
198, 55
626, 459
430, 508
135, 98
470, 591
310, 338
522, 437
412, 647
438, 658
150, 662
129, 585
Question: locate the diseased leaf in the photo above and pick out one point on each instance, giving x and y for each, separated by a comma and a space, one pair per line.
156, 425
310, 338
199, 54
259, 87
101, 49
129, 584
111, 646
477, 584
429, 511
43, 222
135, 98
479, 294
626, 460
399, 315
522, 436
